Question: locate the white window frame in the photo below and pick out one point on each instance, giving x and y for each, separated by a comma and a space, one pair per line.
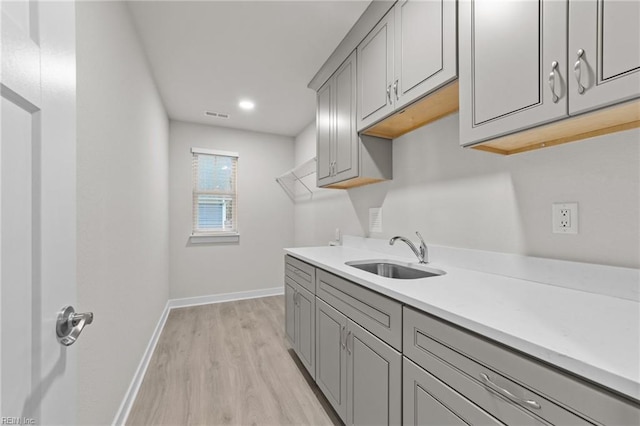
215, 236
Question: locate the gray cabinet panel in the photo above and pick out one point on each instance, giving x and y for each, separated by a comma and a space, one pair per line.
306, 330
373, 380
324, 128
506, 54
375, 73
346, 143
608, 31
378, 314
439, 347
290, 313
300, 272
331, 359
429, 401
425, 47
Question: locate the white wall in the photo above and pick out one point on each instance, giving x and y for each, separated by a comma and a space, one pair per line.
122, 206
467, 198
265, 215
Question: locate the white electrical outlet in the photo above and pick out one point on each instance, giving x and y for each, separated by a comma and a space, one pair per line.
564, 218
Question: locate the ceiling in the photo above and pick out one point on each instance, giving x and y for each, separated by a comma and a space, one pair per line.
209, 55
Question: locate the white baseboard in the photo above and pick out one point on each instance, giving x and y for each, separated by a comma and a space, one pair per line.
228, 297
132, 392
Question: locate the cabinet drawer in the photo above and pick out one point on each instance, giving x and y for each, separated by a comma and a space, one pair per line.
378, 314
562, 398
300, 272
429, 401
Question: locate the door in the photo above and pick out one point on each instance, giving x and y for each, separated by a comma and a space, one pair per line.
430, 402
331, 357
513, 68
290, 311
607, 32
305, 329
425, 48
37, 210
373, 379
375, 73
324, 137
346, 144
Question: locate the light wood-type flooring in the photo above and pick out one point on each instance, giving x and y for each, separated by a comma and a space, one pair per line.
228, 363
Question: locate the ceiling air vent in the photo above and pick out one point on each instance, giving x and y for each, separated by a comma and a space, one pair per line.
217, 114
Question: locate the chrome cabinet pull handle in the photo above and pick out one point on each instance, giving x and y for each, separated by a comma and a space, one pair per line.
70, 324
577, 70
343, 340
347, 342
552, 81
395, 89
495, 388
389, 93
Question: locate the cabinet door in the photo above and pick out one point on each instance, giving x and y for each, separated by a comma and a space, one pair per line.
508, 50
608, 31
290, 312
324, 137
425, 47
373, 379
346, 143
375, 73
430, 402
331, 357
305, 328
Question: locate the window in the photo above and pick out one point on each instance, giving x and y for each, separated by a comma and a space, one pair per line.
215, 195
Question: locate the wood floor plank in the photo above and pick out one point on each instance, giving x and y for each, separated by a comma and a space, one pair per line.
228, 364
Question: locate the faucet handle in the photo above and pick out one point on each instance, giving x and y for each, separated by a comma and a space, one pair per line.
423, 248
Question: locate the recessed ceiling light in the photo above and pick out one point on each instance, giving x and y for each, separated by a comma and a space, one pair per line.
247, 105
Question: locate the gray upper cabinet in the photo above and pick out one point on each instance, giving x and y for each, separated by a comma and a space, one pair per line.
604, 53
344, 158
513, 66
346, 136
325, 117
425, 52
375, 73
409, 53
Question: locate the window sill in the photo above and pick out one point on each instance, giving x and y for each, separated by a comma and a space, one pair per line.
228, 238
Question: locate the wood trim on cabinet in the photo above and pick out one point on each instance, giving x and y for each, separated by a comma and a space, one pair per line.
432, 107
608, 120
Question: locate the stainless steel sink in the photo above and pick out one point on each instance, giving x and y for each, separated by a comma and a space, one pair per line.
394, 269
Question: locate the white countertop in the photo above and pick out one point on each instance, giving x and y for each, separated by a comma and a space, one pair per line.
592, 335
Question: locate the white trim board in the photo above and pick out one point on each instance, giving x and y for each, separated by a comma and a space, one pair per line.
130, 396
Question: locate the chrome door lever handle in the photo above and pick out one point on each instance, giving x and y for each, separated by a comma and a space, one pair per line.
70, 324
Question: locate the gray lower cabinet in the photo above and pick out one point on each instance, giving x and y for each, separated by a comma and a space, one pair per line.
358, 373
509, 386
300, 323
331, 356
428, 401
300, 315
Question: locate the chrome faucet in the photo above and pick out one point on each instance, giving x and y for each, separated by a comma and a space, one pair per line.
422, 254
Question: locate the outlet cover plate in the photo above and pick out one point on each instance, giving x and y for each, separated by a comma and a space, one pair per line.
564, 218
